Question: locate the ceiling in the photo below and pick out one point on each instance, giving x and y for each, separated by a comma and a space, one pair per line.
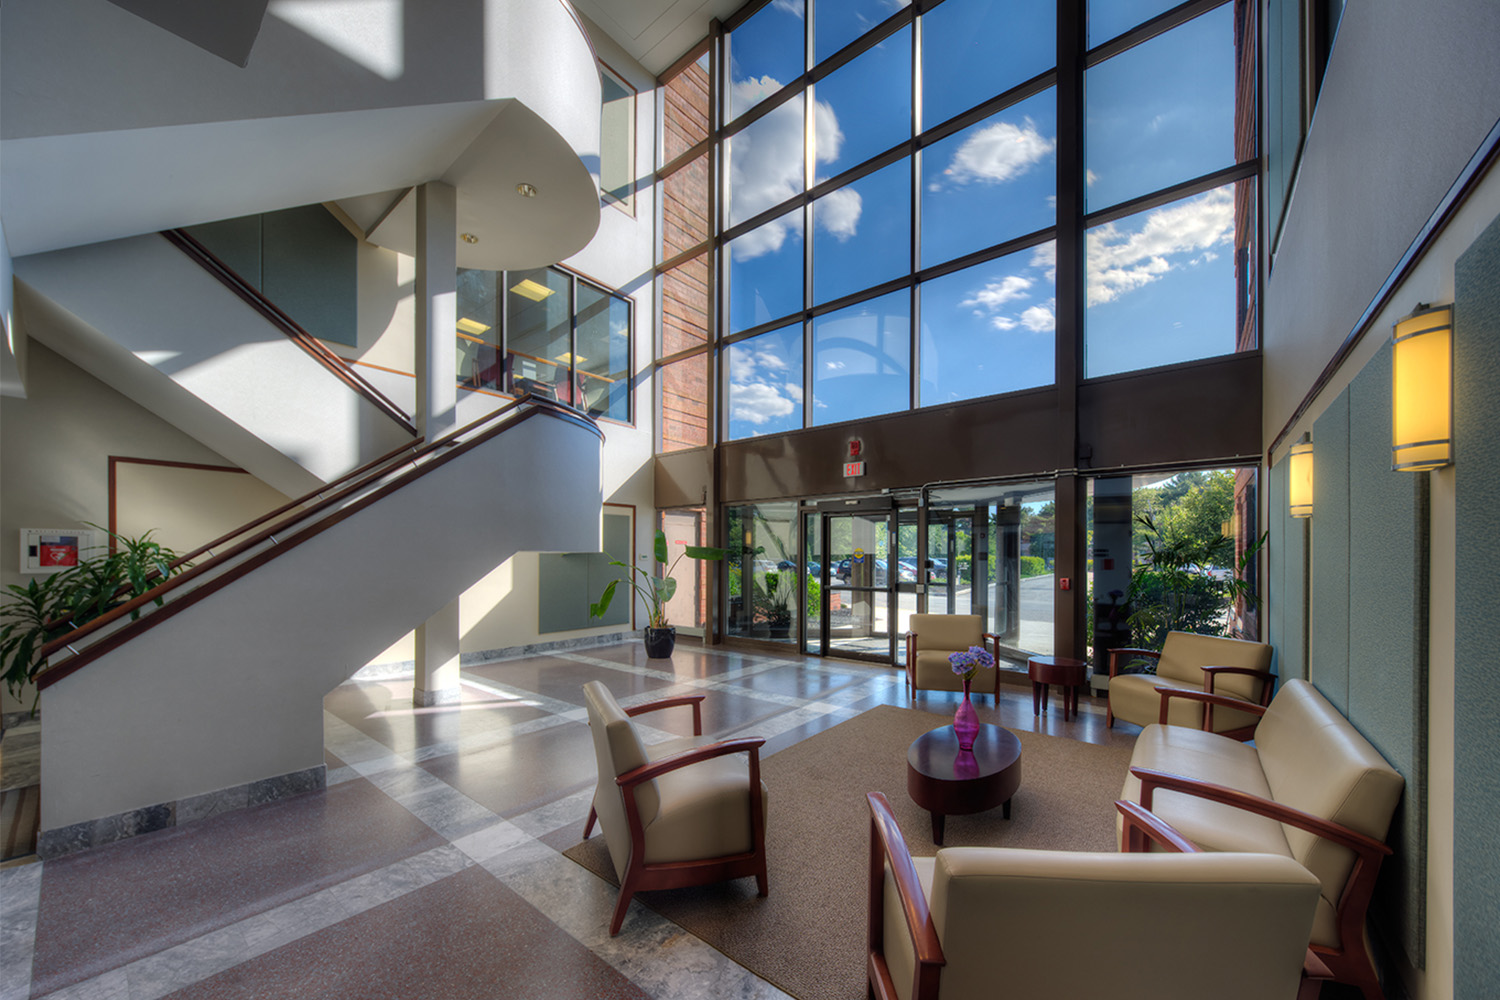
656, 32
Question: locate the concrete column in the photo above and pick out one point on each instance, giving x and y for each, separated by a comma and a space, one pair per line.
437, 307
436, 679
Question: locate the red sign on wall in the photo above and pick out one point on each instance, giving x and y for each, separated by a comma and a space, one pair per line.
852, 469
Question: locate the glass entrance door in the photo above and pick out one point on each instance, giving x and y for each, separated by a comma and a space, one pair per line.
858, 614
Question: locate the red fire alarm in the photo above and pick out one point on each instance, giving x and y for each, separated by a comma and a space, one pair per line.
855, 447
1066, 583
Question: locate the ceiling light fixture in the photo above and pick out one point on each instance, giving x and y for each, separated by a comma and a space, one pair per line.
525, 190
473, 326
468, 237
528, 289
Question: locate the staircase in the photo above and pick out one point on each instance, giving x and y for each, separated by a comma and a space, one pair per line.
216, 695
210, 358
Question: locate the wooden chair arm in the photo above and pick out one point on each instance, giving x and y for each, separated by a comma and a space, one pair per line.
888, 847
1142, 825
1267, 689
1114, 655
657, 768
1366, 847
1227, 701
696, 700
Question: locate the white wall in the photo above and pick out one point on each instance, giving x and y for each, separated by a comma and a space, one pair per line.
500, 611
1411, 90
55, 445
231, 691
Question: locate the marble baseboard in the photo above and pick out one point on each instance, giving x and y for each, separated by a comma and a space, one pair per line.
443, 696
401, 669
109, 829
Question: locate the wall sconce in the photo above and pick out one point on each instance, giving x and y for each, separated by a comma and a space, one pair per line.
1300, 488
1422, 390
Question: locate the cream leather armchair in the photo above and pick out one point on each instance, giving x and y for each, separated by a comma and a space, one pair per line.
1232, 668
929, 641
685, 819
990, 922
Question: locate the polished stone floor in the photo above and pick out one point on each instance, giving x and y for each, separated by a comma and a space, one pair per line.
430, 865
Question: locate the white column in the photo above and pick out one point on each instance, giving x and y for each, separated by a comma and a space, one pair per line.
436, 679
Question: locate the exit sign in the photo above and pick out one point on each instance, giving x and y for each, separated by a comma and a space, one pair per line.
852, 469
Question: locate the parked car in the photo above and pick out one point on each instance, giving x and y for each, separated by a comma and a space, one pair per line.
937, 569
903, 574
813, 567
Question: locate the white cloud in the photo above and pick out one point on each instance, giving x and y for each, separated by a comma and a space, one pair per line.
1004, 323
765, 162
998, 153
1039, 319
792, 7
833, 366
1119, 263
1089, 177
758, 403
794, 390
772, 360
997, 293
838, 213
1045, 257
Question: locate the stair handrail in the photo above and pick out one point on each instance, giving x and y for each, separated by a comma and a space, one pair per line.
448, 444
270, 515
315, 348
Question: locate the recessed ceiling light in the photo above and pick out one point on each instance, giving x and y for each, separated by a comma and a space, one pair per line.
468, 237
525, 190
532, 290
473, 326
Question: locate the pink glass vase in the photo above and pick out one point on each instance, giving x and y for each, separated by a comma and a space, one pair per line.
966, 721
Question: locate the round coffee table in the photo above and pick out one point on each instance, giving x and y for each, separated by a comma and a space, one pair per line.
1048, 670
947, 781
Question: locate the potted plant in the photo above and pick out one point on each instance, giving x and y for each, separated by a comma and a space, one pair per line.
655, 591
776, 604
51, 606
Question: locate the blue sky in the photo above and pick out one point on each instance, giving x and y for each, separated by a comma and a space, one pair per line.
1160, 283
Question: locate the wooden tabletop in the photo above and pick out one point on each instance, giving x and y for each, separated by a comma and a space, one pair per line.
946, 781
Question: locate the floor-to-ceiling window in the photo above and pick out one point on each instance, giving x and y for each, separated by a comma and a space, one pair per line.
901, 192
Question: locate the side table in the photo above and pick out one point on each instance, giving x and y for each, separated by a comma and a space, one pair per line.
1048, 670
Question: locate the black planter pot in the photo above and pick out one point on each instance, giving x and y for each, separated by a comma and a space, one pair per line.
659, 642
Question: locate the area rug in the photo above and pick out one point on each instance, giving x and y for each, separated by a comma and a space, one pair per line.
808, 936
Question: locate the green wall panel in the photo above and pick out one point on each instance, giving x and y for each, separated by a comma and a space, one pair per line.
1287, 602
308, 268
1388, 528
569, 582
302, 259
1476, 816
1328, 617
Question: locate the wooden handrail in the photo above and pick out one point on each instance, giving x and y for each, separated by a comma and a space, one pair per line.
450, 447
208, 547
314, 347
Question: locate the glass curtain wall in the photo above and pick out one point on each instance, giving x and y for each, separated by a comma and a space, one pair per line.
1173, 550
761, 565
890, 182
991, 551
548, 333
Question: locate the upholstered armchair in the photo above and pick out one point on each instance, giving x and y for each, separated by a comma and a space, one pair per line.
684, 819
1233, 668
929, 641
985, 922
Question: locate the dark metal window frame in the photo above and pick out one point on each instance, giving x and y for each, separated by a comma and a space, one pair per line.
575, 279
1069, 231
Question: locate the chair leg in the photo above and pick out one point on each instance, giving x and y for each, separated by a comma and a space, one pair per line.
761, 888
1109, 716
621, 905
589, 826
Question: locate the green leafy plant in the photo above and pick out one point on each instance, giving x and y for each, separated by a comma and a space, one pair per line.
657, 590
51, 606
1177, 590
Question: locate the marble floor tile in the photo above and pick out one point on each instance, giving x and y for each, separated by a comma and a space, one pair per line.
431, 864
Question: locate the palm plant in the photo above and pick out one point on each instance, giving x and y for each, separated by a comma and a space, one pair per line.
654, 591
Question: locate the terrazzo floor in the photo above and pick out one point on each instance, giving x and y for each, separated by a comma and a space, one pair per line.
430, 865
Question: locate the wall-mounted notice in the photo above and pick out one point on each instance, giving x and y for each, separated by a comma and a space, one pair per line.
51, 550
